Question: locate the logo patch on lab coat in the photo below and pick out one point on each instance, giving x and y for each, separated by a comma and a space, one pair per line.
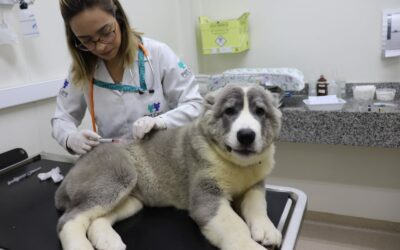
66, 83
154, 109
182, 65
185, 73
63, 92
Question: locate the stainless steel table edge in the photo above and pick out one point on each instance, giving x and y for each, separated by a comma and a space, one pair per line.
295, 220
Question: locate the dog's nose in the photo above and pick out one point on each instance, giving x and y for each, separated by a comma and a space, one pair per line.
246, 136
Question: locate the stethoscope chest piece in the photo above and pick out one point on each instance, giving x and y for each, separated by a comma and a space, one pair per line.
150, 91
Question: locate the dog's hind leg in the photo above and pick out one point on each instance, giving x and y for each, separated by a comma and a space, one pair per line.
101, 233
73, 226
74, 223
97, 184
253, 208
61, 198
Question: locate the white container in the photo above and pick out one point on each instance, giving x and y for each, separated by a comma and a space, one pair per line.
364, 92
332, 88
312, 88
325, 107
385, 94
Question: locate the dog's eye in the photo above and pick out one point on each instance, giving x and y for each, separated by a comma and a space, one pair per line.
230, 111
260, 111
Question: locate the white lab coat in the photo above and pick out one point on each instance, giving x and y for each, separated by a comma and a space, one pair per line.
176, 97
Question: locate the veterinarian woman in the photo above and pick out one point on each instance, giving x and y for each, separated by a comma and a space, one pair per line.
130, 84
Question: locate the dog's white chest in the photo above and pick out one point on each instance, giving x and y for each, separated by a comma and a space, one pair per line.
235, 180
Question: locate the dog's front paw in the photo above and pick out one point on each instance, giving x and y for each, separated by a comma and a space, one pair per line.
78, 245
72, 240
103, 236
247, 243
263, 231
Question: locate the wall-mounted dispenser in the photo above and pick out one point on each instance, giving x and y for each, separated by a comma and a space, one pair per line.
391, 33
27, 20
224, 36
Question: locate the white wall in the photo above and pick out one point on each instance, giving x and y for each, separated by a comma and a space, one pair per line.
28, 126
156, 19
339, 38
38, 59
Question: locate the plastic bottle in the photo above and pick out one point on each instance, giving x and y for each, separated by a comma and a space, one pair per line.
312, 88
333, 88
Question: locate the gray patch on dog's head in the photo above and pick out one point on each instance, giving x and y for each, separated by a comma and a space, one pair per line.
212, 97
215, 122
228, 106
262, 99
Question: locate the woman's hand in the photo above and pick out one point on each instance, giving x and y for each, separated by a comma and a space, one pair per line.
82, 141
145, 124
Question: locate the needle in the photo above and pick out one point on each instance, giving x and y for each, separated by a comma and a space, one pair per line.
23, 176
109, 140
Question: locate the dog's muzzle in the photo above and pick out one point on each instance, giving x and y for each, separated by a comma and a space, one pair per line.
246, 137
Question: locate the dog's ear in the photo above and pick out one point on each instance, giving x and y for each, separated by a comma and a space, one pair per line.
275, 100
209, 99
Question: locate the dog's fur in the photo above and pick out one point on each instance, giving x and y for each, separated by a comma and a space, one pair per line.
222, 157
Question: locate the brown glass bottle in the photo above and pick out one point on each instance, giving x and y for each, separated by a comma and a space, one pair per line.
322, 86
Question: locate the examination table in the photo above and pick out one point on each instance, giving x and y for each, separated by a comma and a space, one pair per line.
28, 217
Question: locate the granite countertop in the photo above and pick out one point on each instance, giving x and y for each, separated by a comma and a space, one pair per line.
354, 124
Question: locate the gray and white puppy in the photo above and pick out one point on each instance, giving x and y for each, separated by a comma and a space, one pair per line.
222, 157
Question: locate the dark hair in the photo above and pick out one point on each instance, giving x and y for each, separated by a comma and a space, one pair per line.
84, 62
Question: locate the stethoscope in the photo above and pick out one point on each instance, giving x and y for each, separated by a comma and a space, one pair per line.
142, 54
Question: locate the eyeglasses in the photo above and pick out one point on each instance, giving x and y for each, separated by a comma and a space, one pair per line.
106, 36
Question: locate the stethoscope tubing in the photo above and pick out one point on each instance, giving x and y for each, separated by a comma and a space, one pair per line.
91, 91
146, 54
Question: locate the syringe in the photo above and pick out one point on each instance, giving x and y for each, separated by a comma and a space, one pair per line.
23, 176
110, 140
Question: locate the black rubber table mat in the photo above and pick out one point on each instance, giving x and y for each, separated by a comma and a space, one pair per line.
28, 217
12, 156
